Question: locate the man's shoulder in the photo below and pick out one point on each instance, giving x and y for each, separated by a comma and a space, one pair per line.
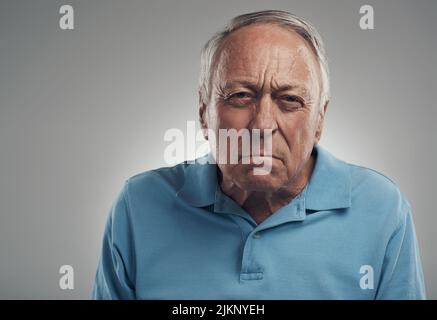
376, 189
372, 179
171, 177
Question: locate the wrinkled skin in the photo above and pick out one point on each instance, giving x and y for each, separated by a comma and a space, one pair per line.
266, 77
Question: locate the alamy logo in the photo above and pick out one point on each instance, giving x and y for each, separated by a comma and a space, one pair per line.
66, 282
66, 22
366, 281
367, 18
231, 146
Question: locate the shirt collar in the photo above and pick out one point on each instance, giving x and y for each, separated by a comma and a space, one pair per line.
200, 182
330, 183
329, 186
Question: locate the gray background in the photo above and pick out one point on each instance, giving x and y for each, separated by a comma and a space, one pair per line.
81, 110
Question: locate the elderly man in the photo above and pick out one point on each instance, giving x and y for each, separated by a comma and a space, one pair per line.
312, 227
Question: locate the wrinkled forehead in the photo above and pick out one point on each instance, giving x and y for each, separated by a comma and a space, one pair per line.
267, 53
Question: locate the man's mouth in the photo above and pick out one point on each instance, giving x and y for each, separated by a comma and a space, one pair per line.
259, 158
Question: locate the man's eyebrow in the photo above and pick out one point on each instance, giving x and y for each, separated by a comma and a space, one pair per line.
244, 83
302, 90
254, 87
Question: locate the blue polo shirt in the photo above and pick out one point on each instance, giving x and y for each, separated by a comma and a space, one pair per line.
173, 234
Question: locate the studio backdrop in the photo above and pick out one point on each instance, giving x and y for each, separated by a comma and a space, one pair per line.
86, 102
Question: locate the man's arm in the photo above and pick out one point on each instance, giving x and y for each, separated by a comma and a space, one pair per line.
402, 275
114, 276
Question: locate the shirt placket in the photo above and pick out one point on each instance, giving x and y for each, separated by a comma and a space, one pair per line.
252, 234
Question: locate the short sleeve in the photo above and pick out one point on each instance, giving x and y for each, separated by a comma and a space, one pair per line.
114, 276
402, 275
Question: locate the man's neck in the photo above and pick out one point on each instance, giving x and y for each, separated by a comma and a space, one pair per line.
260, 205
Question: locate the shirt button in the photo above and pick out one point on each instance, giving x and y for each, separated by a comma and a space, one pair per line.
257, 235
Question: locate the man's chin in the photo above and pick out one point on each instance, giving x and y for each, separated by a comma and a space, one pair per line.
261, 183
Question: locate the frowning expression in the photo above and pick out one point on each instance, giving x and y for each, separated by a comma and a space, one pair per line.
267, 77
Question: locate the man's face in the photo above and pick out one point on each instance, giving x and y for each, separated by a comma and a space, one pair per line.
266, 77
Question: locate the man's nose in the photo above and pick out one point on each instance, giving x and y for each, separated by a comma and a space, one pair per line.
264, 117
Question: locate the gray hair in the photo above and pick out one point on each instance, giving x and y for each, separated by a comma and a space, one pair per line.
305, 29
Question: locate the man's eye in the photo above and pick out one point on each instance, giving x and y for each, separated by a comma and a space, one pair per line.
292, 101
240, 98
241, 95
291, 98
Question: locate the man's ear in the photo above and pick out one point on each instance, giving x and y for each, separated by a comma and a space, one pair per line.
320, 122
202, 117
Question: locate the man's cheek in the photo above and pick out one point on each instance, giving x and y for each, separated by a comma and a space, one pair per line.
237, 119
